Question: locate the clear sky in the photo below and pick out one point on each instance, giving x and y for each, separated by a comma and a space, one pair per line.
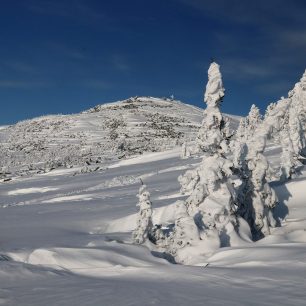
64, 56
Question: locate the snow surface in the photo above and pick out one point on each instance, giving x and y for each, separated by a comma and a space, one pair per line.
66, 240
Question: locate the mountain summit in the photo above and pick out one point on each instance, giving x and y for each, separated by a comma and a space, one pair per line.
104, 132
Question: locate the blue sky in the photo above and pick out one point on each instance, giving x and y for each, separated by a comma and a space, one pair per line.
64, 56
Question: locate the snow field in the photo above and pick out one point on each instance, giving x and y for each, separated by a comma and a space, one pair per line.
75, 251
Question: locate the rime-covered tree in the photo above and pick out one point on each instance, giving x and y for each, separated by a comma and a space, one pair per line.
289, 158
269, 110
241, 131
210, 217
210, 207
238, 145
188, 181
210, 136
144, 218
297, 116
285, 121
256, 197
282, 121
185, 153
253, 120
185, 234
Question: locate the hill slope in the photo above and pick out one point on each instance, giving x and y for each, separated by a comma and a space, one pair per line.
105, 132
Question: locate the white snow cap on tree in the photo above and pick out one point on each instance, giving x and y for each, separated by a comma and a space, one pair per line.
214, 88
212, 132
144, 217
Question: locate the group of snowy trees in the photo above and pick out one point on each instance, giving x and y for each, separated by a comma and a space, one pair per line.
229, 195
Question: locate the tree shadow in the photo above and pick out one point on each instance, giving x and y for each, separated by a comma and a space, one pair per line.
198, 220
225, 239
281, 210
164, 255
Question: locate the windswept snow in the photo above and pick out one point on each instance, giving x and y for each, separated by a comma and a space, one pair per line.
79, 252
68, 198
148, 158
31, 190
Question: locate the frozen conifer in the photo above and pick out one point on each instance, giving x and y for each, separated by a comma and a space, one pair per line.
289, 158
210, 207
144, 217
253, 120
238, 145
257, 198
297, 116
185, 234
185, 153
269, 110
210, 135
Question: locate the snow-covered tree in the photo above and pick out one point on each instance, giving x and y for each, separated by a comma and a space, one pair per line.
218, 196
269, 110
263, 198
285, 121
254, 117
256, 197
185, 153
185, 234
241, 131
289, 158
210, 136
244, 134
210, 208
297, 116
144, 218
253, 120
238, 145
207, 219
188, 181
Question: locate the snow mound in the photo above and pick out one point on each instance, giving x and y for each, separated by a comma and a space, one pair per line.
110, 258
258, 255
165, 215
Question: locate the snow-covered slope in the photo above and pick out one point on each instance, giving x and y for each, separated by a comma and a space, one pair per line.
107, 131
66, 240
